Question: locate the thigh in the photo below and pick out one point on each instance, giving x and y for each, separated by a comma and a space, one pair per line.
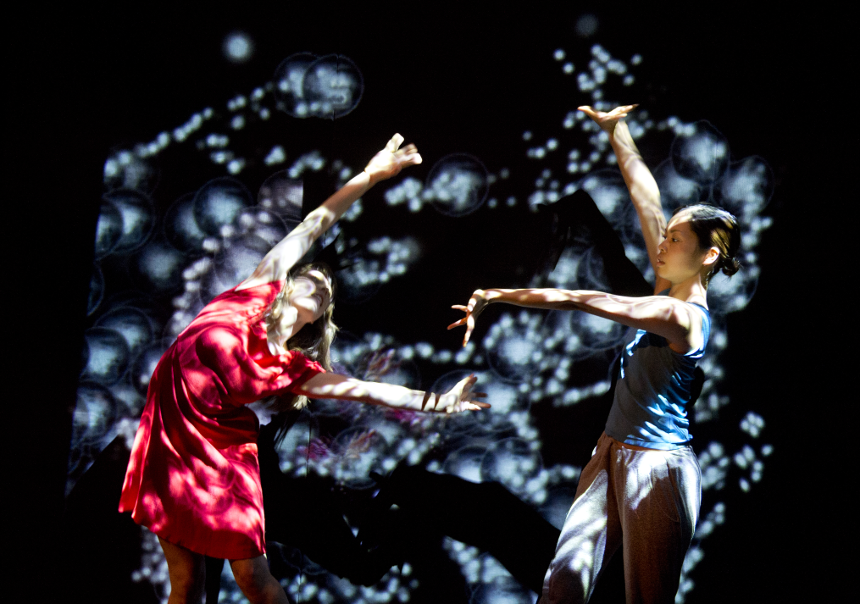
590, 535
658, 517
187, 572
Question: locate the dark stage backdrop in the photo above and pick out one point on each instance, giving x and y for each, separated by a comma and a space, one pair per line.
164, 150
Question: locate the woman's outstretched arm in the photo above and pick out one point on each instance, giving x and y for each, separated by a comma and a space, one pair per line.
332, 385
640, 182
679, 322
281, 258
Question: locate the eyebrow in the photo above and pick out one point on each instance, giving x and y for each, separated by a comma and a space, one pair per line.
321, 283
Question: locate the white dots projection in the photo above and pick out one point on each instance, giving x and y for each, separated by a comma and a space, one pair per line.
211, 238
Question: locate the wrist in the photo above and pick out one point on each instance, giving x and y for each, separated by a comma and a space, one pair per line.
494, 295
430, 402
370, 180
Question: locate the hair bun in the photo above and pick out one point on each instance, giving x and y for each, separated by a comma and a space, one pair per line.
730, 266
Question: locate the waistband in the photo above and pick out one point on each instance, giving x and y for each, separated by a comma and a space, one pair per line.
624, 445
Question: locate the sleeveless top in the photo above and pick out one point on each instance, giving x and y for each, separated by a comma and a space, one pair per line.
653, 390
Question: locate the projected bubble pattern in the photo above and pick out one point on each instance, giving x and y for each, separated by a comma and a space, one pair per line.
310, 86
214, 236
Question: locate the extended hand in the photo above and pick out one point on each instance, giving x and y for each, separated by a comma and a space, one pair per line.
459, 397
476, 305
607, 121
391, 160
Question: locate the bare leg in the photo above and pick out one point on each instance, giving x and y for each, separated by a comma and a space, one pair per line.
256, 582
187, 573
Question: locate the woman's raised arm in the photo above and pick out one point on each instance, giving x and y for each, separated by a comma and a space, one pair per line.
677, 321
332, 385
281, 258
640, 182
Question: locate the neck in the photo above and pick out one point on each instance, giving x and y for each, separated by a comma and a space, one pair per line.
289, 325
690, 290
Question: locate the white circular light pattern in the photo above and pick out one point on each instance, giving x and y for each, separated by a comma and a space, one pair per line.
525, 359
238, 47
310, 86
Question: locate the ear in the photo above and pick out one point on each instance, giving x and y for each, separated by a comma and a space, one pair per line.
711, 256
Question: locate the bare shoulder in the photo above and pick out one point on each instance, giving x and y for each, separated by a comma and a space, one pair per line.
258, 279
690, 316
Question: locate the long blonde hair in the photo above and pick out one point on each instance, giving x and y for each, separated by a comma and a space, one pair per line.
313, 340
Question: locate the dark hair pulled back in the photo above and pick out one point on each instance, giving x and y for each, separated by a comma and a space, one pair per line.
715, 227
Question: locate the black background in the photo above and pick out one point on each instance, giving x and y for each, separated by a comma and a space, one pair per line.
84, 80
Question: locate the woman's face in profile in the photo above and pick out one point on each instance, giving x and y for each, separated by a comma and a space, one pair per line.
311, 295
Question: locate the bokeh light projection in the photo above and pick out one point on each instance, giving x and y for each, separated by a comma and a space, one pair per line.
238, 47
310, 86
155, 269
457, 184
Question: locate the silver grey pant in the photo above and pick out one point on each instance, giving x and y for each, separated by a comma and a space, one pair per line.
642, 499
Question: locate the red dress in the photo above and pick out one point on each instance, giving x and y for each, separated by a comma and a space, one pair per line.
193, 477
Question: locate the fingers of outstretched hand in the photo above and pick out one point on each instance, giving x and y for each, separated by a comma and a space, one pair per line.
470, 327
476, 305
409, 149
468, 321
617, 113
466, 383
620, 112
392, 145
461, 398
409, 156
464, 387
477, 395
478, 405
471, 406
465, 397
462, 321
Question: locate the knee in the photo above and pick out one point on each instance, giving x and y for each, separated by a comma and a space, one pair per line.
246, 575
253, 576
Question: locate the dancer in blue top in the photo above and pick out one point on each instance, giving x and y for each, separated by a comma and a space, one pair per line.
642, 488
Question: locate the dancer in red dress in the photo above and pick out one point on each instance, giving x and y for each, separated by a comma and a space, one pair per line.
194, 477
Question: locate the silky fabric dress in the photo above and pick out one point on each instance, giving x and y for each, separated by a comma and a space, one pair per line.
194, 477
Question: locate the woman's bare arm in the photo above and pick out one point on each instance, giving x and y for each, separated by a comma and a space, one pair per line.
333, 385
281, 258
640, 182
677, 321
